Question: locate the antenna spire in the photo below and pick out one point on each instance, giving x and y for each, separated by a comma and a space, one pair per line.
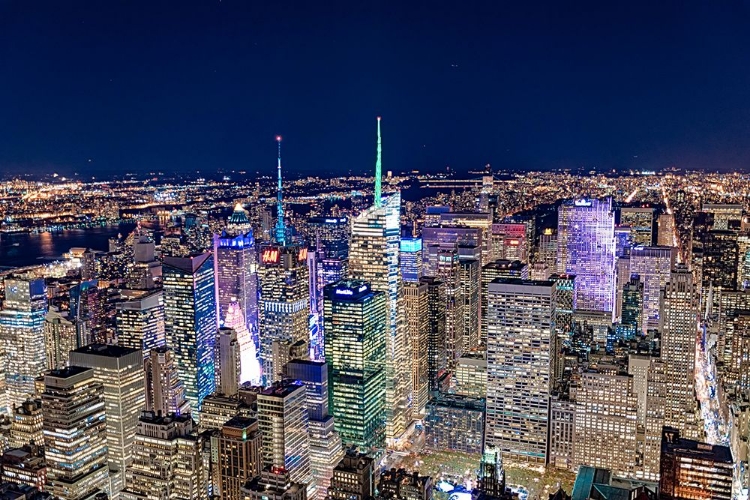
280, 227
378, 171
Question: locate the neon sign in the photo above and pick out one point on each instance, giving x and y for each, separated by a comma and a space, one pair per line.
270, 256
302, 254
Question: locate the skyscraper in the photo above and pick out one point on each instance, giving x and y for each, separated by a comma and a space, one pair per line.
356, 327
283, 424
236, 270
22, 335
120, 372
227, 362
653, 266
373, 258
325, 443
165, 392
411, 259
167, 460
436, 341
448, 272
353, 478
75, 433
416, 307
140, 321
59, 338
500, 268
520, 343
190, 310
586, 248
640, 221
238, 449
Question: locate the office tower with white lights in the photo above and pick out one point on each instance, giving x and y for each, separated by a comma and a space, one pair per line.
500, 268
140, 320
227, 362
416, 309
356, 330
238, 451
520, 345
436, 342
325, 442
586, 248
640, 222
60, 337
120, 372
75, 433
167, 460
653, 266
284, 427
411, 259
190, 325
22, 336
374, 258
27, 424
165, 391
447, 271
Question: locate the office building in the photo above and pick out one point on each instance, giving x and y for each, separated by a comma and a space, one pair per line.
238, 451
442, 238
236, 267
75, 433
416, 308
274, 483
606, 418
520, 346
227, 362
436, 341
725, 216
326, 450
190, 324
60, 337
167, 460
455, 423
665, 230
165, 392
501, 268
120, 372
411, 259
471, 374
632, 308
469, 286
586, 248
694, 470
27, 424
24, 465
508, 242
640, 222
562, 436
218, 408
284, 427
22, 321
356, 327
353, 478
594, 482
653, 266
140, 321
373, 258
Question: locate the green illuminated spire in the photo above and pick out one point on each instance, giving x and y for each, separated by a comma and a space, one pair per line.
378, 171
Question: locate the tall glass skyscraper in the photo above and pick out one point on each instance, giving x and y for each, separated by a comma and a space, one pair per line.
22, 335
356, 330
411, 259
190, 325
586, 248
236, 267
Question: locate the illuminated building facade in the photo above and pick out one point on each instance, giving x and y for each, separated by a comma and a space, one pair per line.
238, 449
236, 270
411, 259
356, 330
520, 344
274, 483
227, 362
501, 268
508, 241
120, 372
140, 321
283, 424
75, 433
436, 342
435, 239
653, 266
632, 308
353, 478
373, 258
60, 337
469, 285
665, 230
694, 470
456, 423
24, 466
190, 324
586, 248
471, 374
167, 460
448, 272
283, 308
26, 425
165, 392
640, 222
22, 335
325, 443
416, 305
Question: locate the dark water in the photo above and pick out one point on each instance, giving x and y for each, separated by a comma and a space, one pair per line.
44, 247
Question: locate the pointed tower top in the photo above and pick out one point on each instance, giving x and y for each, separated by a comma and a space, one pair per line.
378, 171
280, 227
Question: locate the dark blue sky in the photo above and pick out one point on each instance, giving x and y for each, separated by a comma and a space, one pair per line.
139, 86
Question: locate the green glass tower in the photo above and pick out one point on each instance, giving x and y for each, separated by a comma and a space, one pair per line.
355, 331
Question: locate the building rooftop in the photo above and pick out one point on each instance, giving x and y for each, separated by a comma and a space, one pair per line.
108, 350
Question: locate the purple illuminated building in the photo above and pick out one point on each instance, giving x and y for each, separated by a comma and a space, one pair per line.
586, 248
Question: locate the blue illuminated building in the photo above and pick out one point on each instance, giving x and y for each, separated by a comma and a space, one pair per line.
411, 259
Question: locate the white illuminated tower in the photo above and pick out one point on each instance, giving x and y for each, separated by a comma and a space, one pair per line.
586, 249
374, 258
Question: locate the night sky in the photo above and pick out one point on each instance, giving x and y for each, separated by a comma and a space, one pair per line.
127, 86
